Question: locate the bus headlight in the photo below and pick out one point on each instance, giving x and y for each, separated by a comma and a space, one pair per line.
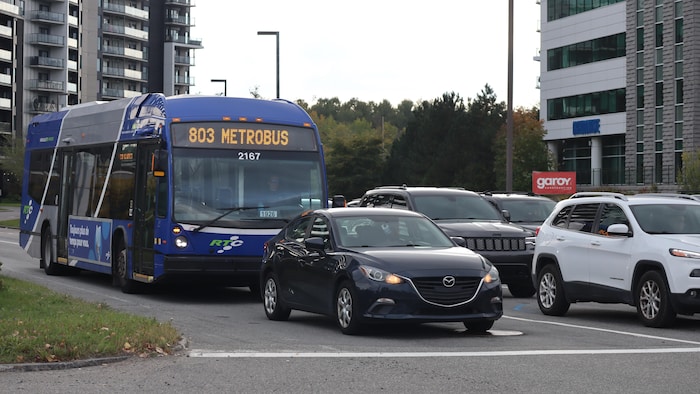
181, 242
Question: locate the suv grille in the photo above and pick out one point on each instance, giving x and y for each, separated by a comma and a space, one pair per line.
496, 244
432, 289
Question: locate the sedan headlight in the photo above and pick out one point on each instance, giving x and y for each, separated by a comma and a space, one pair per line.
492, 276
378, 275
684, 253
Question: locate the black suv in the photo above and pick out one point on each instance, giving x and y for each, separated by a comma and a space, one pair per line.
522, 208
465, 214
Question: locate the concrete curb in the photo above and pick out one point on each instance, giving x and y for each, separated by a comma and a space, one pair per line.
32, 367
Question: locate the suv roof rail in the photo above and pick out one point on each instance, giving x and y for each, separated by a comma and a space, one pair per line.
492, 192
619, 196
404, 187
673, 195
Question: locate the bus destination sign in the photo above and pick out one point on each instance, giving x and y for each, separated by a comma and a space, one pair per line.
242, 136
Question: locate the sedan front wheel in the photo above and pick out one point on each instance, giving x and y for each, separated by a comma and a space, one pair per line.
274, 306
347, 316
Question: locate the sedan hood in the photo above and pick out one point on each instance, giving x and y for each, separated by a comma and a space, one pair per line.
410, 259
482, 229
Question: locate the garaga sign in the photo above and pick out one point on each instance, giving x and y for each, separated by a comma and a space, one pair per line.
553, 182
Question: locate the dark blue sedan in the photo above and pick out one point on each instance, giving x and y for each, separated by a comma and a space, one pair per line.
368, 265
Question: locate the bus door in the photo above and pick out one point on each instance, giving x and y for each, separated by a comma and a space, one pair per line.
65, 201
144, 210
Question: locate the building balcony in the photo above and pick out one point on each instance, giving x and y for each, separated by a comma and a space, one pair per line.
6, 32
123, 73
5, 103
47, 17
6, 55
38, 106
179, 20
6, 79
125, 31
123, 52
125, 10
187, 41
189, 81
189, 3
9, 8
46, 39
5, 127
45, 85
46, 62
72, 65
113, 93
72, 20
184, 60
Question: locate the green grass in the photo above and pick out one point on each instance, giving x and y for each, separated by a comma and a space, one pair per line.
9, 206
38, 325
10, 223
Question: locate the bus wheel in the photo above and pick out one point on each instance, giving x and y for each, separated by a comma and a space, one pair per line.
50, 267
128, 286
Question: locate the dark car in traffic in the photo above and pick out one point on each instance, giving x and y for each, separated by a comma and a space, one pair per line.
369, 265
466, 214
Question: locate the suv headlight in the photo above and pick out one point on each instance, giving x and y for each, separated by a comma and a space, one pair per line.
684, 253
378, 275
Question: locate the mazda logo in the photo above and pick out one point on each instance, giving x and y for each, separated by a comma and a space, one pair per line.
448, 281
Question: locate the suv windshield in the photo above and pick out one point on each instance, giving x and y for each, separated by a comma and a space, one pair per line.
443, 207
668, 218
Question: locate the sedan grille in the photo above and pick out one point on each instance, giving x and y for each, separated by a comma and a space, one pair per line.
434, 291
496, 244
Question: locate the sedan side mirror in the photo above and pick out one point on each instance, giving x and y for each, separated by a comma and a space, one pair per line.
315, 244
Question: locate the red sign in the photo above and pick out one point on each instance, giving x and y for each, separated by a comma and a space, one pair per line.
553, 182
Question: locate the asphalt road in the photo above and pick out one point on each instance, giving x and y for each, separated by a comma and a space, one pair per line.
232, 347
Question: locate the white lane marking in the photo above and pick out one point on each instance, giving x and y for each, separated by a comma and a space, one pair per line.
202, 353
11, 243
216, 354
632, 334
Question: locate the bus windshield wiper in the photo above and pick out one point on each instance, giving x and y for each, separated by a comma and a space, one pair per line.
227, 211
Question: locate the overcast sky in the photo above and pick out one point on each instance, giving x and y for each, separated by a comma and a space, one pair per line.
369, 50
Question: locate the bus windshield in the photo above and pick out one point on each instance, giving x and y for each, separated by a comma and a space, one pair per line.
246, 189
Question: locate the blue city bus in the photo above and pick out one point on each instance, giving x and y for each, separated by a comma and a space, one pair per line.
154, 189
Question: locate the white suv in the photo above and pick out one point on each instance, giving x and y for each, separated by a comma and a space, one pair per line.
641, 250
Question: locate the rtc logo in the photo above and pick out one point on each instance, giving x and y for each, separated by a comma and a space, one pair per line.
553, 182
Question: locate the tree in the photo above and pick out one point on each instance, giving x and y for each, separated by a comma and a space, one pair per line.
689, 176
530, 152
447, 143
11, 165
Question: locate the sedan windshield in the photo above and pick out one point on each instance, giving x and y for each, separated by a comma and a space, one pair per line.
390, 231
668, 218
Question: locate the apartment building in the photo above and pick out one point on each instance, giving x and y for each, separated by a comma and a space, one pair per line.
612, 77
56, 53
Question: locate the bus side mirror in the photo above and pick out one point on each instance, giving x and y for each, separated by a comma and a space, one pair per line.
160, 162
338, 201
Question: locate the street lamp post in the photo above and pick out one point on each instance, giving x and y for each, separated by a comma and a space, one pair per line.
277, 34
221, 80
